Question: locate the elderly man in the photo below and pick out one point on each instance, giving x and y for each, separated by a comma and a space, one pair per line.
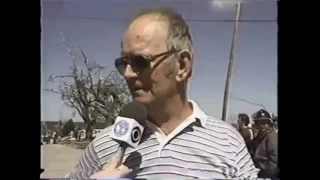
180, 140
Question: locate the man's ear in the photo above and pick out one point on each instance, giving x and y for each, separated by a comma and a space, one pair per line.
185, 66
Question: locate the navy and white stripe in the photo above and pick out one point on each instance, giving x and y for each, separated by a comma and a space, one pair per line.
205, 148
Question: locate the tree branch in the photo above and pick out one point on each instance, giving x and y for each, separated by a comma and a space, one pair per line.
53, 91
91, 95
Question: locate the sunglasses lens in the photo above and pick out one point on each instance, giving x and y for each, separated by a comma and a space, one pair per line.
137, 62
118, 62
140, 62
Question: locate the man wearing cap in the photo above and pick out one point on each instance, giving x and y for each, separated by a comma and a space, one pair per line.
264, 147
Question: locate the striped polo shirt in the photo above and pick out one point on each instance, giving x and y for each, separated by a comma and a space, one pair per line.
200, 147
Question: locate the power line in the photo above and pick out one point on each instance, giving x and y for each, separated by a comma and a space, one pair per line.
246, 101
189, 20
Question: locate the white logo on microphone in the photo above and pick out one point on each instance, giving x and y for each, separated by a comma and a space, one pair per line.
121, 128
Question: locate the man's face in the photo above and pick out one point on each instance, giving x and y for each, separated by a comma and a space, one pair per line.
241, 124
261, 126
147, 36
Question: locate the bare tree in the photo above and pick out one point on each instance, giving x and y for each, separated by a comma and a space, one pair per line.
96, 98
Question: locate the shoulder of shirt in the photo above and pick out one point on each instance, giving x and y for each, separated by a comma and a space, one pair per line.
103, 135
213, 123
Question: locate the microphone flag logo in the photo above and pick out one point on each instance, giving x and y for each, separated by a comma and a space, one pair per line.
121, 128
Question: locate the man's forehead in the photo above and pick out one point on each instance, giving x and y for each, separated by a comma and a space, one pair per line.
261, 121
145, 31
150, 22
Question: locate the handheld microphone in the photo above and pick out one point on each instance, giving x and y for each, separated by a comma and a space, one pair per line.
128, 127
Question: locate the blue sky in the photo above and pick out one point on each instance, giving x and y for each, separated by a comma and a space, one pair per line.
85, 23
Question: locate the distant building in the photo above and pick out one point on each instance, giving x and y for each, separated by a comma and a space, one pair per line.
51, 125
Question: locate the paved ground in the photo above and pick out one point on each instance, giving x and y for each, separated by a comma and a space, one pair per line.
58, 160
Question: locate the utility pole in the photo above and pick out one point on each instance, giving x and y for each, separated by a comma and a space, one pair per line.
231, 60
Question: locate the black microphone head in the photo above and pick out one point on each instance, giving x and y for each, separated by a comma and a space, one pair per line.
136, 111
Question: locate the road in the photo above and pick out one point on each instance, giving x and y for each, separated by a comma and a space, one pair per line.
58, 160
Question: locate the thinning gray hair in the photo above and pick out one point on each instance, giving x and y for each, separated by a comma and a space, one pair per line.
179, 37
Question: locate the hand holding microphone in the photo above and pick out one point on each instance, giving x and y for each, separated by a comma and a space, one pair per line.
127, 131
114, 169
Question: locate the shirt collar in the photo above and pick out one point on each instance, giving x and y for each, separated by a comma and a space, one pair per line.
197, 115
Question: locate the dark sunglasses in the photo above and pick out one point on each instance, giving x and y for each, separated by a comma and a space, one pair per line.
139, 62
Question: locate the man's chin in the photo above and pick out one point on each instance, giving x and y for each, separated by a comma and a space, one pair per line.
142, 99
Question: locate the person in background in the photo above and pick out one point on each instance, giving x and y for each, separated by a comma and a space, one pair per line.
264, 147
76, 133
47, 137
81, 134
275, 123
54, 137
71, 134
245, 128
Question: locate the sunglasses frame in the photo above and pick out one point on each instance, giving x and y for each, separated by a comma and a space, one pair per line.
147, 59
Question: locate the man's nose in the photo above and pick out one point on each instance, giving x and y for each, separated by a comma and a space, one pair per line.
129, 73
